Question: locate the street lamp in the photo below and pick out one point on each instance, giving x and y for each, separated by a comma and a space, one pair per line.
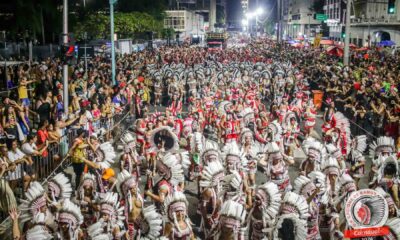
112, 2
259, 12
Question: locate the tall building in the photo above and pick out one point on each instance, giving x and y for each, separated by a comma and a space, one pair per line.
375, 21
335, 10
214, 10
187, 24
298, 19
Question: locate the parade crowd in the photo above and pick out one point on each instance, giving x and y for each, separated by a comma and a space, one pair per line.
274, 139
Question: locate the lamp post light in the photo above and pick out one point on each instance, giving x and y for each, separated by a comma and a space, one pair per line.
259, 12
112, 2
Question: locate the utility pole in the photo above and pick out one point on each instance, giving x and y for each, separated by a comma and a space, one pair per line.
346, 57
65, 66
112, 2
278, 31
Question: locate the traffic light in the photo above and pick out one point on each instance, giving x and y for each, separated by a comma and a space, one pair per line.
391, 6
343, 32
68, 51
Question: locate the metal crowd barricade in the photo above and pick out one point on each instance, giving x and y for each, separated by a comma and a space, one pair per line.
47, 167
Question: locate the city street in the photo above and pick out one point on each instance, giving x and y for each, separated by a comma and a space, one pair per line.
199, 119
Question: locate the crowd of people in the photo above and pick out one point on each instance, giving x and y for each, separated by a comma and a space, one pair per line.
267, 160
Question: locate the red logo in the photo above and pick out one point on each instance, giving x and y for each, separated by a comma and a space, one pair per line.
367, 232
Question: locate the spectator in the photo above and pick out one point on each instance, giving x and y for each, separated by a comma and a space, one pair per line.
18, 158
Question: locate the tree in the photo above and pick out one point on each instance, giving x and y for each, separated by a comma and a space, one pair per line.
126, 25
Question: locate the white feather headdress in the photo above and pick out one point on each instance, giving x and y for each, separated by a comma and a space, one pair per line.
175, 168
319, 179
60, 187
38, 232
35, 200
380, 145
272, 199
300, 226
71, 214
294, 203
235, 210
304, 186
276, 129
232, 149
394, 226
125, 180
153, 223
314, 147
212, 174
110, 205
106, 155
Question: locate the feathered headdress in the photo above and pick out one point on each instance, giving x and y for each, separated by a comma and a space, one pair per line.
389, 160
394, 226
175, 202
300, 226
105, 155
212, 175
345, 186
209, 150
125, 181
331, 166
183, 159
319, 179
304, 186
233, 183
244, 134
196, 142
333, 151
270, 199
232, 215
88, 180
294, 203
359, 143
96, 231
343, 124
170, 166
151, 224
234, 156
383, 144
38, 232
276, 131
314, 148
166, 134
35, 200
60, 187
71, 215
109, 204
247, 115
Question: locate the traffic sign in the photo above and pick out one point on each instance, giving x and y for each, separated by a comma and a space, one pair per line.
321, 17
89, 52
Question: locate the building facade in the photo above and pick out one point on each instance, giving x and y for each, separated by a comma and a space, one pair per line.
373, 22
187, 24
298, 19
335, 10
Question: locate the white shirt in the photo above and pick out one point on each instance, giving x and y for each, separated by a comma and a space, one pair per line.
29, 149
14, 156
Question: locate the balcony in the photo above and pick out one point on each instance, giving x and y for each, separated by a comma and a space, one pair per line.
375, 21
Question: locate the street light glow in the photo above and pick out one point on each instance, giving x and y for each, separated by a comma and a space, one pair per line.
244, 22
259, 11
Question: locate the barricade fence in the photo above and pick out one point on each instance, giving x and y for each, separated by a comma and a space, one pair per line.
56, 160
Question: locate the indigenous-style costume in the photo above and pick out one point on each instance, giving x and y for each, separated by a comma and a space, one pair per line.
276, 168
262, 216
211, 182
177, 203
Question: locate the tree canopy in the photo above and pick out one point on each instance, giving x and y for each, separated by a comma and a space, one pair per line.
97, 25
